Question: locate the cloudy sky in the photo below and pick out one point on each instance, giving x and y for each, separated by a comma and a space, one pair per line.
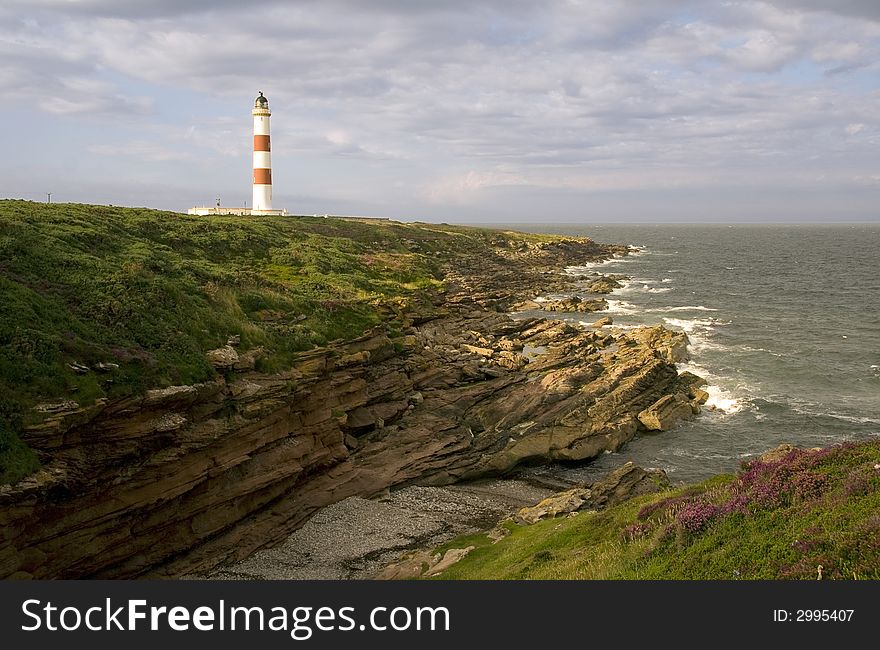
460, 110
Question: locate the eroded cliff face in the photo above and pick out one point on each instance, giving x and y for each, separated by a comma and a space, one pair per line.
183, 479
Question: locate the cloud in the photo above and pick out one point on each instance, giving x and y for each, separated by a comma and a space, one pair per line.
445, 100
868, 9
853, 129
142, 150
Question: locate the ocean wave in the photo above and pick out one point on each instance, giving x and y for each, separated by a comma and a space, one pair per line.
690, 325
815, 409
643, 280
587, 267
748, 348
665, 310
666, 280
638, 286
855, 419
699, 332
626, 286
721, 401
621, 307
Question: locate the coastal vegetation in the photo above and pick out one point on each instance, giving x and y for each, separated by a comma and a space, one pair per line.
180, 377
799, 514
103, 301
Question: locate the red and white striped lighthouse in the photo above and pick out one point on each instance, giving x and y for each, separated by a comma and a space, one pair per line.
262, 157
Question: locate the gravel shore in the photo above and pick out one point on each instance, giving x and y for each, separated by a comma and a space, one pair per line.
356, 537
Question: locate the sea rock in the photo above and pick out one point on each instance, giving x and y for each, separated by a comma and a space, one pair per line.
451, 556
671, 345
574, 304
624, 483
665, 412
603, 284
602, 322
560, 503
617, 486
777, 454
410, 567
473, 349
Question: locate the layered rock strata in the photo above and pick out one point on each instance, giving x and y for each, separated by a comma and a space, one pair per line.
184, 479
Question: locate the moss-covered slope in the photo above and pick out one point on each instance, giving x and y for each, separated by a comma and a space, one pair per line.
102, 301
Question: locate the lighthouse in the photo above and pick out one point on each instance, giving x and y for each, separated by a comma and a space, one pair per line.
262, 179
262, 157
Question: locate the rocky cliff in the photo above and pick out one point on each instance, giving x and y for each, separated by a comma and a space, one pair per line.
183, 479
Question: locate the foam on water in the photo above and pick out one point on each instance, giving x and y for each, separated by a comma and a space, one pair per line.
721, 400
749, 348
621, 307
692, 325
639, 286
587, 267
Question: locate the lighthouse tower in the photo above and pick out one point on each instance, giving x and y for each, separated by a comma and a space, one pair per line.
262, 157
262, 204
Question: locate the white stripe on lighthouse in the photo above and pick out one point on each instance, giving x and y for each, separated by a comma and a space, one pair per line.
261, 125
262, 160
262, 197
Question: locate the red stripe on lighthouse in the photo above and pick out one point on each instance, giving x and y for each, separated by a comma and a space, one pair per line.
261, 143
262, 177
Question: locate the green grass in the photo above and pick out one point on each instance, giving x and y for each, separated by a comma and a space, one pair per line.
152, 291
772, 521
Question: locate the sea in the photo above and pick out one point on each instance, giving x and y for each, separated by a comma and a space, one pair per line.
783, 322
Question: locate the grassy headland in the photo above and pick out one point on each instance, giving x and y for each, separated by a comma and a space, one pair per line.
103, 301
778, 518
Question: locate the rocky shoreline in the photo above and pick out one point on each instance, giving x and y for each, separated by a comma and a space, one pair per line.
187, 479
